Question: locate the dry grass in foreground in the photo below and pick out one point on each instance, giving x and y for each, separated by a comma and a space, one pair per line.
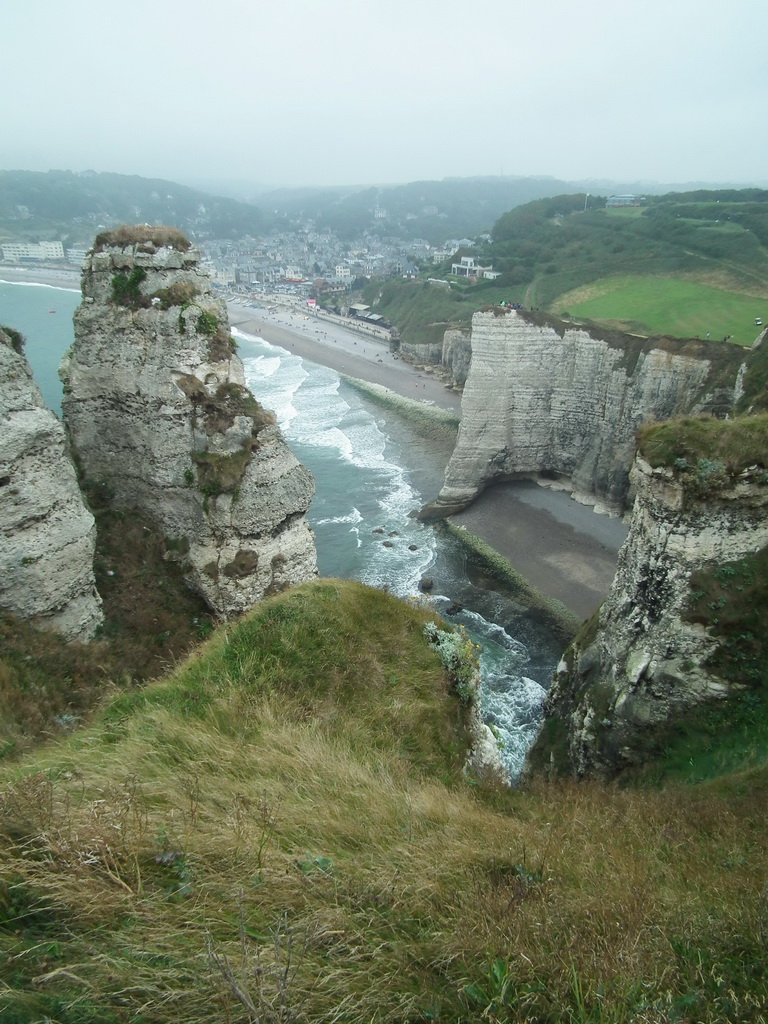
280, 831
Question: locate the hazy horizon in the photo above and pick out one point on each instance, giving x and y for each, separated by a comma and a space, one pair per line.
321, 94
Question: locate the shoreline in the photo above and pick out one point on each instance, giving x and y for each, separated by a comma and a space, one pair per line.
342, 350
564, 550
68, 279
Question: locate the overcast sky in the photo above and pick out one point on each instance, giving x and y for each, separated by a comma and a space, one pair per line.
378, 91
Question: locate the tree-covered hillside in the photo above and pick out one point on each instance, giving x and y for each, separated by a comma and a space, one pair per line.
39, 205
432, 210
682, 264
556, 244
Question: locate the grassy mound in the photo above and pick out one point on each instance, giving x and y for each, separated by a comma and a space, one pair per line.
727, 447
280, 831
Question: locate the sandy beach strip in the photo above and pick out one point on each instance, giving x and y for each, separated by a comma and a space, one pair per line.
332, 345
565, 550
68, 277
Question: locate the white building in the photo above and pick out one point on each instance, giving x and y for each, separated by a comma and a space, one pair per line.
469, 267
16, 251
76, 255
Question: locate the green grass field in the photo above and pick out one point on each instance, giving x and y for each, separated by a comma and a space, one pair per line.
655, 305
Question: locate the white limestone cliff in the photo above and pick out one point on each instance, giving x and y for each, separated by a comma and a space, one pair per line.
646, 661
159, 415
451, 354
545, 397
47, 535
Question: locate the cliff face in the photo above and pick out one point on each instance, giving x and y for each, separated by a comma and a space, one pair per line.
544, 397
159, 415
453, 352
47, 535
643, 664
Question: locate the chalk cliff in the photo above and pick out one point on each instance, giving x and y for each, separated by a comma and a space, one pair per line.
452, 352
656, 649
161, 420
546, 397
47, 535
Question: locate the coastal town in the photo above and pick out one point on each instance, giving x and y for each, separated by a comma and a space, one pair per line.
305, 264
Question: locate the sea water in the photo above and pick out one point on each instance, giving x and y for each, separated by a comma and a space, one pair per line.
43, 314
371, 473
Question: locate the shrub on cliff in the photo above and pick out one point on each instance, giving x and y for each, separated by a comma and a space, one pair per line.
126, 289
156, 236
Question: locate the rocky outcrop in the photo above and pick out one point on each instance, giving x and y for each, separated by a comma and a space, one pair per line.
452, 352
47, 535
159, 415
545, 397
647, 659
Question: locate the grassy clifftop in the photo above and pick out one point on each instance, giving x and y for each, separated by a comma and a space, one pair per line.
729, 447
279, 830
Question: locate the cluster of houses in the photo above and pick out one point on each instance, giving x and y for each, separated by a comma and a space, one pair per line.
308, 263
303, 263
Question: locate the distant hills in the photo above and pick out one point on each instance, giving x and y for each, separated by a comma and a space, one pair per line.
74, 206
432, 210
452, 208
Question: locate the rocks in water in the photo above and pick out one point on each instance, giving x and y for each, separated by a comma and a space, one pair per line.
47, 535
426, 583
160, 418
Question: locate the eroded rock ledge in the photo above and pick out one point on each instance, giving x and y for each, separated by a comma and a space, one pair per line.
652, 653
161, 420
47, 535
546, 397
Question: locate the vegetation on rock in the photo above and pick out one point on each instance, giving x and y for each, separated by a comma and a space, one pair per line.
707, 454
220, 473
126, 289
48, 687
729, 735
148, 236
177, 294
16, 339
